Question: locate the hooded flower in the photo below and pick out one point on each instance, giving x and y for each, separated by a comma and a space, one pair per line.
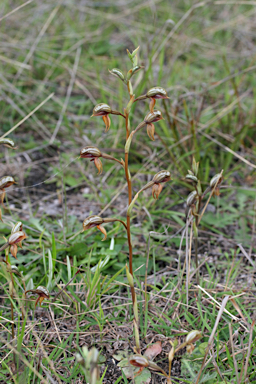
158, 179
16, 239
149, 119
153, 94
42, 293
93, 154
5, 182
104, 110
95, 221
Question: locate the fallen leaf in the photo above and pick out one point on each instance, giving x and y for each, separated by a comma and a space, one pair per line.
153, 350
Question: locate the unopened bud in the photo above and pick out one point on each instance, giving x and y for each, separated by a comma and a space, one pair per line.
171, 355
116, 72
217, 179
129, 277
191, 198
195, 166
136, 69
7, 142
192, 178
17, 227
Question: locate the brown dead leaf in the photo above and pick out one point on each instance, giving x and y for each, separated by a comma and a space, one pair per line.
153, 350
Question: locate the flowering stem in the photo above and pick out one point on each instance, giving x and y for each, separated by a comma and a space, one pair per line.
106, 156
13, 334
6, 245
129, 184
196, 238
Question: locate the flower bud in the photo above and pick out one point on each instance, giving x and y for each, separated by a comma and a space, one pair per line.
162, 177
171, 354
90, 153
217, 179
129, 277
17, 227
152, 117
92, 221
136, 68
192, 178
101, 109
191, 198
116, 72
7, 142
195, 166
132, 56
157, 93
193, 336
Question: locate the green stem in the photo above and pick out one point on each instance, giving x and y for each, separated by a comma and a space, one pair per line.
12, 314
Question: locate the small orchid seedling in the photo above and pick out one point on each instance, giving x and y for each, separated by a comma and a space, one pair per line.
94, 154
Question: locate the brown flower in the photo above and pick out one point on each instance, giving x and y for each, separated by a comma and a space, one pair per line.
160, 177
15, 240
104, 110
5, 182
93, 154
149, 119
153, 94
42, 293
95, 221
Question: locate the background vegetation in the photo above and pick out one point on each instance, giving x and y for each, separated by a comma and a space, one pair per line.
58, 54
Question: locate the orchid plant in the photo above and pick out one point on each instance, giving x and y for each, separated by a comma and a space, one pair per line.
94, 154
